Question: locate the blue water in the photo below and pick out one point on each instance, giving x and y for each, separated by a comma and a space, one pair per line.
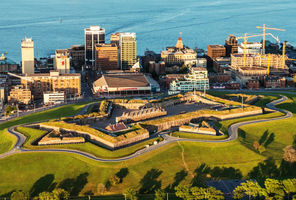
156, 22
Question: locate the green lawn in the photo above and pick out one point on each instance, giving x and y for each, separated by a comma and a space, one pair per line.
198, 136
33, 134
7, 142
40, 171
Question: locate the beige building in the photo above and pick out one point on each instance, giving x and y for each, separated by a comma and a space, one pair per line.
127, 50
27, 56
62, 61
70, 84
179, 55
257, 60
20, 95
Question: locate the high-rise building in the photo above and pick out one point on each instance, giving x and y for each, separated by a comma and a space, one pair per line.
231, 45
62, 61
127, 50
107, 56
93, 35
77, 54
27, 56
114, 38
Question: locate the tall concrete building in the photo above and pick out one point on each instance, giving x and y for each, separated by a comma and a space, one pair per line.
62, 61
93, 35
107, 57
27, 56
127, 50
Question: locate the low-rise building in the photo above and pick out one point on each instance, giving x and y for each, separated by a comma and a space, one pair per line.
122, 84
221, 64
274, 82
197, 79
20, 95
70, 84
53, 98
179, 55
7, 65
253, 84
251, 48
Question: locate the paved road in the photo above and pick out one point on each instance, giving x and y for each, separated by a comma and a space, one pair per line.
233, 134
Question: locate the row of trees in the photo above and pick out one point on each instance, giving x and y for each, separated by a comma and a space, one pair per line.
56, 194
272, 190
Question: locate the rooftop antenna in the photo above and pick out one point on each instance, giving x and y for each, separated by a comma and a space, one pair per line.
180, 33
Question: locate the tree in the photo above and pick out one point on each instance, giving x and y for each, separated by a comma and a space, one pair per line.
9, 110
249, 188
289, 186
114, 180
46, 196
290, 154
60, 194
19, 195
160, 195
131, 193
214, 194
209, 193
183, 192
274, 188
184, 69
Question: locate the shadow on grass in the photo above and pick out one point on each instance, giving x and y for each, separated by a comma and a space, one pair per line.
204, 172
149, 182
74, 185
123, 172
265, 169
180, 176
43, 184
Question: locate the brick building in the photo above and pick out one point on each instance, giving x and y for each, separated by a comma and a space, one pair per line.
215, 51
106, 57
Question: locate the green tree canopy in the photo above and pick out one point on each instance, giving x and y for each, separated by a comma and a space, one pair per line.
249, 188
160, 194
19, 195
131, 193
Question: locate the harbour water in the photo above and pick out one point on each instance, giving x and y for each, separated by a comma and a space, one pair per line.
58, 24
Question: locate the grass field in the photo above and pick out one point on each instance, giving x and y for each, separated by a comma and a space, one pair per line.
163, 167
7, 142
33, 134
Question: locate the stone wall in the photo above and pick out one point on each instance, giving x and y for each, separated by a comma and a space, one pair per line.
100, 141
57, 140
142, 114
186, 120
201, 130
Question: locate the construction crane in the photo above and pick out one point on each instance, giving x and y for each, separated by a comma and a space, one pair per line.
264, 33
284, 55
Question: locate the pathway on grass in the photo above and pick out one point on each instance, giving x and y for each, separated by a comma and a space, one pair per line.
183, 160
232, 131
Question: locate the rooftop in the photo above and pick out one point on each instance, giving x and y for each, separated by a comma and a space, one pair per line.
122, 80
